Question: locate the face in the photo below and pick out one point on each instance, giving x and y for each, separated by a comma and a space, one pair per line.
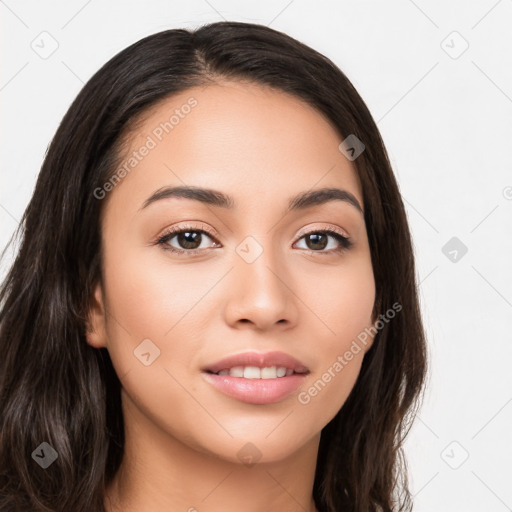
251, 271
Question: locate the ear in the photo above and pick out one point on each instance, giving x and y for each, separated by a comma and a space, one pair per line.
96, 332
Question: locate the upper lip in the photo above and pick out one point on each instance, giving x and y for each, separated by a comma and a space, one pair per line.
261, 360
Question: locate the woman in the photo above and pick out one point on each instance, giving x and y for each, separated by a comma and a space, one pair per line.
214, 304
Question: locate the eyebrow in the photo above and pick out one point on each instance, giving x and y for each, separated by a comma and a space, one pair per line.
219, 199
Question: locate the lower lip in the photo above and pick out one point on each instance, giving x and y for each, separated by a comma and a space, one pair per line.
256, 391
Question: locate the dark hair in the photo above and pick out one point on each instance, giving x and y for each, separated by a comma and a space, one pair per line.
56, 388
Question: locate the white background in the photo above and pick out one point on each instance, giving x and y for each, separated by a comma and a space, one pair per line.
447, 122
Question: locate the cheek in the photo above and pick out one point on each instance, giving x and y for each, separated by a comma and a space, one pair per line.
161, 302
324, 394
341, 297
151, 297
343, 301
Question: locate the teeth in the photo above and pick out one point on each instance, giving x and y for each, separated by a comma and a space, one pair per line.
237, 371
270, 372
281, 372
254, 372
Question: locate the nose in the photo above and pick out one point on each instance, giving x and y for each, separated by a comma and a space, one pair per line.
260, 293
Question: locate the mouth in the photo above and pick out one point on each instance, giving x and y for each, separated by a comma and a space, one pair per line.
255, 372
256, 378
257, 365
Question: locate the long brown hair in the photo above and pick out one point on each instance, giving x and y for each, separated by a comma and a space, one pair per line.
56, 388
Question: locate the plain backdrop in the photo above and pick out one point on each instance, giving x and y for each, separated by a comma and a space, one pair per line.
437, 77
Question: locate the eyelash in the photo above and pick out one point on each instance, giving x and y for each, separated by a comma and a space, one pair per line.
345, 242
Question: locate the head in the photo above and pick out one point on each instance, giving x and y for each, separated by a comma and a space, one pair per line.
304, 248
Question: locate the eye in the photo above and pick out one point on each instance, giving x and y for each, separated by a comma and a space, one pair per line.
317, 241
189, 239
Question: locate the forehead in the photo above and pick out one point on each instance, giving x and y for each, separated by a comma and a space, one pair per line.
243, 138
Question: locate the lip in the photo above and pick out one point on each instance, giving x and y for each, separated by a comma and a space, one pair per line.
261, 360
256, 391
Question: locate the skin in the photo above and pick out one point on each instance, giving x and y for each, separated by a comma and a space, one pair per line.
261, 147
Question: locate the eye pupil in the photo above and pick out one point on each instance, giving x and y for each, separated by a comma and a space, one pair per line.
189, 239
317, 242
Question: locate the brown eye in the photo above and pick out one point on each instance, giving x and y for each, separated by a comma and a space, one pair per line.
187, 240
318, 241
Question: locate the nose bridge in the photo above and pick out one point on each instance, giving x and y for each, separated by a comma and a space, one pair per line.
261, 290
258, 263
